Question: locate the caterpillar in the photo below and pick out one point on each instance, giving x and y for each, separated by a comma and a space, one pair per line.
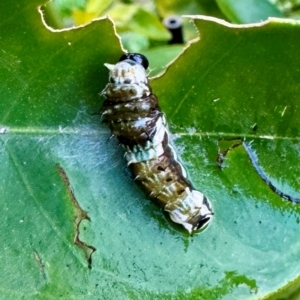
133, 115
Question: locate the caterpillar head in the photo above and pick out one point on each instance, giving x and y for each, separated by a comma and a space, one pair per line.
131, 69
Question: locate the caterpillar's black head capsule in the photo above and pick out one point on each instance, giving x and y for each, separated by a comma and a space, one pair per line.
137, 57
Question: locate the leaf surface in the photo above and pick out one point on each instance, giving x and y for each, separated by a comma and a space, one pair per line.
248, 11
221, 86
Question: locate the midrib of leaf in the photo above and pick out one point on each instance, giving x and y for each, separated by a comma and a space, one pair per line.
218, 135
52, 131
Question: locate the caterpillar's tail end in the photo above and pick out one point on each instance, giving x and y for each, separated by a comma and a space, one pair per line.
202, 222
196, 224
199, 215
203, 218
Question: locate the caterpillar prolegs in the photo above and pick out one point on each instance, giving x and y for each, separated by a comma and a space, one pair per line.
133, 115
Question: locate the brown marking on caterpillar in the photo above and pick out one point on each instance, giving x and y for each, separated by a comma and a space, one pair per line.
133, 115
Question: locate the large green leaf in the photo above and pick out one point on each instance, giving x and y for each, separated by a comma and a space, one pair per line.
245, 84
248, 11
56, 163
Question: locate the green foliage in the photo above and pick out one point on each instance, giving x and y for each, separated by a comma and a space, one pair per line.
248, 11
139, 24
236, 82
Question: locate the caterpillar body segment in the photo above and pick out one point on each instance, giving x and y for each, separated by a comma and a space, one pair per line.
132, 113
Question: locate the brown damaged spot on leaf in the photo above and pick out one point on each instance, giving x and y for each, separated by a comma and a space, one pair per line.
224, 146
79, 217
41, 265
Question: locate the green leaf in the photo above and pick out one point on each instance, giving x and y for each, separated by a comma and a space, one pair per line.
58, 13
147, 23
57, 165
134, 42
160, 57
239, 81
248, 11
